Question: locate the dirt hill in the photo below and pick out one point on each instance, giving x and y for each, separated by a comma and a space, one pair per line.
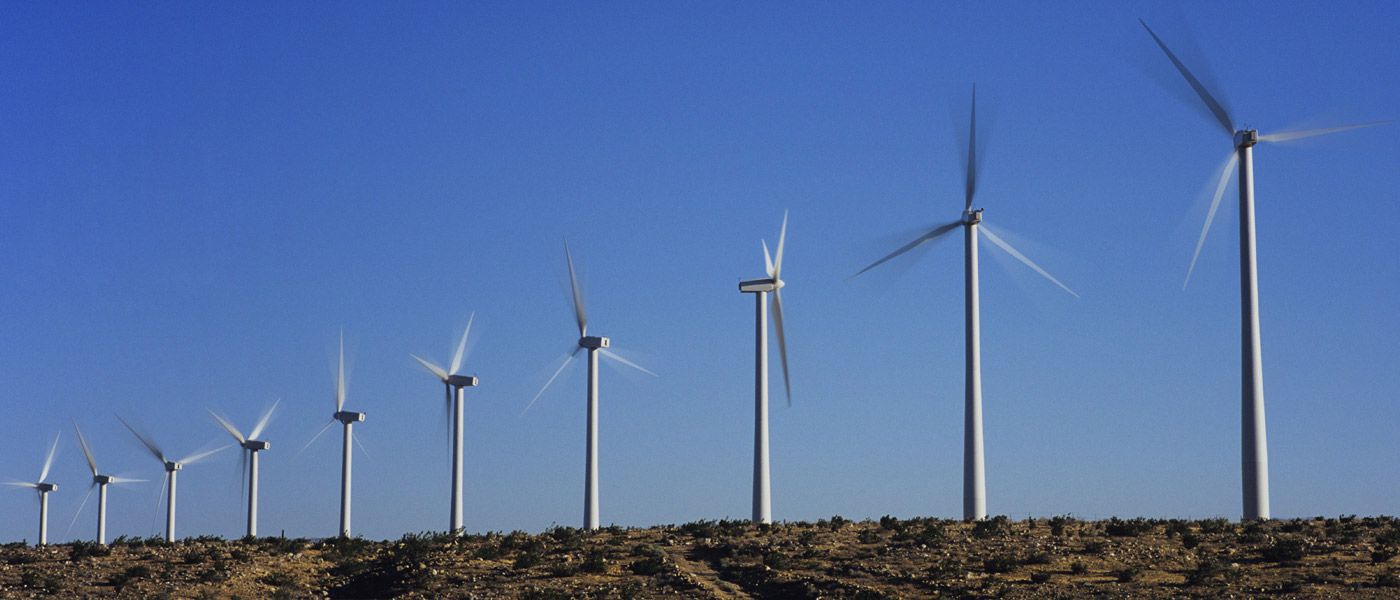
1346, 557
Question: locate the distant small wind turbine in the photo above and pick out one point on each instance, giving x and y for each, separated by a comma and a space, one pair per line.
762, 499
172, 469
251, 445
594, 345
450, 380
1254, 449
974, 471
100, 482
348, 419
43, 490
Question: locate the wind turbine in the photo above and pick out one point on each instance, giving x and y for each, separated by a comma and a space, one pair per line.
251, 446
974, 471
1253, 444
100, 482
43, 489
762, 499
595, 345
348, 419
451, 380
172, 469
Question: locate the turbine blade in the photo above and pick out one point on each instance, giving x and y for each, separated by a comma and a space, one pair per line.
778, 256
21, 484
1210, 216
128, 480
155, 450
81, 505
243, 471
767, 260
189, 460
431, 367
48, 460
340, 377
233, 431
567, 360
782, 341
1297, 135
910, 246
159, 495
971, 183
314, 438
462, 346
356, 438
262, 422
579, 312
614, 356
87, 452
1021, 257
1215, 107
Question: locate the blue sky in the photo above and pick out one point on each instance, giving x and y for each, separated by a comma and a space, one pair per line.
196, 198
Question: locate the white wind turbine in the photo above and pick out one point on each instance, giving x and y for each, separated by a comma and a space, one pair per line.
100, 482
43, 490
974, 471
1254, 459
762, 498
250, 445
348, 419
451, 380
172, 469
594, 345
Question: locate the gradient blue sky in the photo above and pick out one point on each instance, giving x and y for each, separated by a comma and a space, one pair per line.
196, 197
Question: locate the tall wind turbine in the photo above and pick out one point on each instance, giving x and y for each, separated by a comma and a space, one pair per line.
251, 445
1254, 452
43, 489
100, 482
172, 469
347, 419
451, 380
595, 345
974, 471
762, 499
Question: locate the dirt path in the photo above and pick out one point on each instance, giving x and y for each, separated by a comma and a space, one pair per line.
705, 576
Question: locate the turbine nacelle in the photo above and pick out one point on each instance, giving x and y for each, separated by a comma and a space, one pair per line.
593, 342
760, 285
171, 466
972, 217
462, 380
1246, 138
103, 479
46, 487
348, 417
256, 445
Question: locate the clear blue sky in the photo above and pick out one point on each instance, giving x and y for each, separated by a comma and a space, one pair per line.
196, 198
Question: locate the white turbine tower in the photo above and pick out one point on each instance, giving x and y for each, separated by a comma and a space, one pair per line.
250, 445
762, 498
43, 490
100, 482
974, 470
594, 345
451, 380
347, 419
1254, 452
172, 469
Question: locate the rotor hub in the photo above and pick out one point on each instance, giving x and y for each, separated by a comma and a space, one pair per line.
256, 445
593, 342
461, 381
173, 466
102, 479
47, 487
1246, 138
972, 217
348, 417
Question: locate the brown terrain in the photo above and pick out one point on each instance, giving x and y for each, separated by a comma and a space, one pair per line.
1345, 557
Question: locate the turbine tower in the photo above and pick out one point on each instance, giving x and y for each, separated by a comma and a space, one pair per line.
1254, 451
100, 482
762, 498
172, 469
595, 345
347, 419
251, 445
974, 466
451, 380
43, 490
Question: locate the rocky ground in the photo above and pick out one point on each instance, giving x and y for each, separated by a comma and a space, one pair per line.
1345, 557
